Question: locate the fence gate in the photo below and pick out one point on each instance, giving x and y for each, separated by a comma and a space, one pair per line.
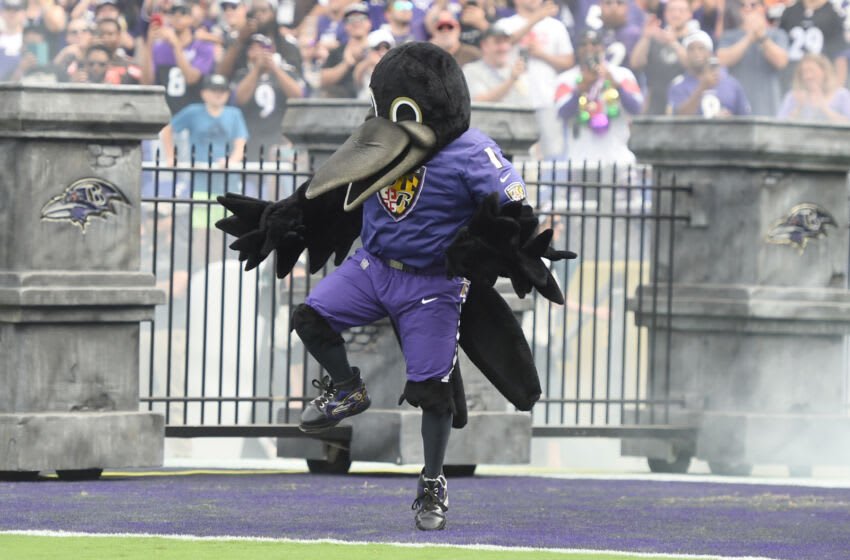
219, 358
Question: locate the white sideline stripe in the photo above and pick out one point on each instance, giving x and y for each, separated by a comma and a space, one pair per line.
35, 533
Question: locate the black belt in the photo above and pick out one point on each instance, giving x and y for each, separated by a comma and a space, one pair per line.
434, 270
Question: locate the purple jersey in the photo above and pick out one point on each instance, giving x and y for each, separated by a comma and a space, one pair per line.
416, 218
179, 93
726, 97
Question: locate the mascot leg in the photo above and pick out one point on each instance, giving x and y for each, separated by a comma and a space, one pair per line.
435, 397
344, 394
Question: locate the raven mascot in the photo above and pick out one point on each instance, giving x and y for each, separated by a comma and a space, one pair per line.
441, 215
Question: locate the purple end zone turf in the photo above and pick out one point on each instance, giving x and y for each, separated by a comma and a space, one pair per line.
672, 517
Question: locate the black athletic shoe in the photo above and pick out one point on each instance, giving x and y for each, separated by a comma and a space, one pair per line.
334, 404
431, 503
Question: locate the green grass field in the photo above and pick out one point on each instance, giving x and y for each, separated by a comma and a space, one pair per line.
26, 547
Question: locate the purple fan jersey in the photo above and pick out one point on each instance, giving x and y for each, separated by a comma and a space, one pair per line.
416, 218
178, 92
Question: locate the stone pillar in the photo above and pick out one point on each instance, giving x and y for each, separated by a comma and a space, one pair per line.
71, 290
387, 432
760, 307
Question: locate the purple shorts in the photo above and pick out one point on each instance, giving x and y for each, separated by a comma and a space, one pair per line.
425, 309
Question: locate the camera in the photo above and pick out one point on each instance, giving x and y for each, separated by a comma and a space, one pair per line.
592, 61
523, 54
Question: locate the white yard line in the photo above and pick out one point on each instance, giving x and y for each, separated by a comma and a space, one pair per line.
589, 552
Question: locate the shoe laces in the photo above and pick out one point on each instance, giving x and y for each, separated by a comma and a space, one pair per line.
328, 392
430, 499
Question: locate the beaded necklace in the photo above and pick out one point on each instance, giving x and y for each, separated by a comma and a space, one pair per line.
598, 106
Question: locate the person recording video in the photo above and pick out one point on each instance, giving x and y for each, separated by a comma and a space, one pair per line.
594, 99
706, 88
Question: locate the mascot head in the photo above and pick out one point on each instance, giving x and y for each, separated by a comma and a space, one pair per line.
420, 104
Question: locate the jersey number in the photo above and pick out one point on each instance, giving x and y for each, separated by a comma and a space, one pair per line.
494, 159
176, 86
265, 99
805, 40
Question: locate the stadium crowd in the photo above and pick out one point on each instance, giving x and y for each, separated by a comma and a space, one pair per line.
584, 66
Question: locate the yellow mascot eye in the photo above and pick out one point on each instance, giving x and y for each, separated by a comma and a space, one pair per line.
403, 108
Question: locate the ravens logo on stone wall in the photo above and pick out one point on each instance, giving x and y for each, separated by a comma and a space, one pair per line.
804, 222
84, 199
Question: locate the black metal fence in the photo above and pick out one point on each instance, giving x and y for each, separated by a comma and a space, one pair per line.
220, 352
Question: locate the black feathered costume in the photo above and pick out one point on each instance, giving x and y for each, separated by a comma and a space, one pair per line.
421, 105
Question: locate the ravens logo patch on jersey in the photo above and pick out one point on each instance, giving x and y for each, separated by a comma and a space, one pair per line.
399, 198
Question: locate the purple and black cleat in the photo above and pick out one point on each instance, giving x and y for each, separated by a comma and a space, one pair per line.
334, 404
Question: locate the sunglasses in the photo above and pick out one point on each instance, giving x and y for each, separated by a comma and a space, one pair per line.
179, 10
228, 6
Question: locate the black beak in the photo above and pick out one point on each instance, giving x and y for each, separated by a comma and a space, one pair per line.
374, 156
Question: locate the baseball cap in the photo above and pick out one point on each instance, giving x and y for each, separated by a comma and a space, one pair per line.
102, 3
13, 4
590, 36
698, 37
216, 82
356, 8
380, 36
495, 30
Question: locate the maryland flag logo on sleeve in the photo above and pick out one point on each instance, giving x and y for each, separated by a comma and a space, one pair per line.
399, 198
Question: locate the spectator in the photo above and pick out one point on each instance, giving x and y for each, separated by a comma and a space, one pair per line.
35, 64
707, 89
234, 16
314, 54
330, 27
475, 19
262, 91
659, 53
447, 37
50, 19
399, 15
175, 59
12, 17
711, 16
78, 37
815, 95
337, 75
755, 55
380, 42
550, 52
216, 132
111, 10
122, 69
813, 26
94, 66
619, 35
592, 99
260, 19
500, 75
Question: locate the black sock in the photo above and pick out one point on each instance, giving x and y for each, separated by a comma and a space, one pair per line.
335, 361
436, 428
325, 345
